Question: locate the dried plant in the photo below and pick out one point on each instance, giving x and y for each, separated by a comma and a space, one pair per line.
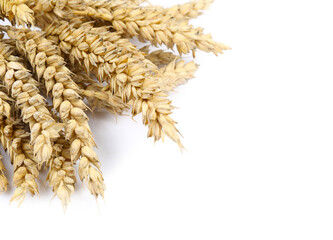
49, 66
98, 95
154, 25
24, 89
15, 140
125, 68
82, 60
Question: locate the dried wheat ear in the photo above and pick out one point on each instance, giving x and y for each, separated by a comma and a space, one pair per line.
82, 58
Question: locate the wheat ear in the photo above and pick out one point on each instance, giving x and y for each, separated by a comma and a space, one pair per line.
25, 167
151, 24
47, 12
157, 25
51, 67
128, 73
24, 89
15, 141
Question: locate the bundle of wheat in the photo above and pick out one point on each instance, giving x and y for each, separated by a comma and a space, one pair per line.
83, 52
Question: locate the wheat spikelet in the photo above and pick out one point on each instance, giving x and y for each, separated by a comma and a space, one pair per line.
17, 12
24, 89
51, 67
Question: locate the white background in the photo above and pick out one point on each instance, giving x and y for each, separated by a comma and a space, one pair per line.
257, 124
